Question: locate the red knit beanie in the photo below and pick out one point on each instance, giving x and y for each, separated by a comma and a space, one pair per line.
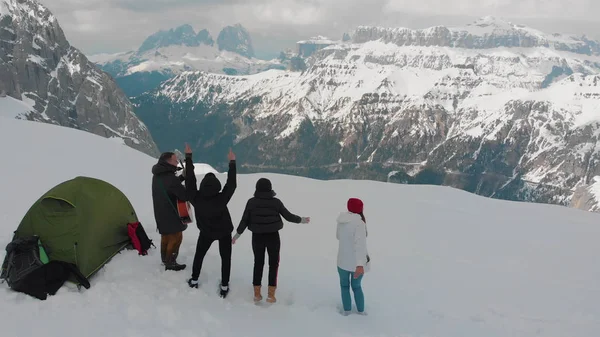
355, 205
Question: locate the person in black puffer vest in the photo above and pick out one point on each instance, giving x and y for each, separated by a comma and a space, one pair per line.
262, 217
213, 218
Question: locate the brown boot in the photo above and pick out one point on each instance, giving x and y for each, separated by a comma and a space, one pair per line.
257, 295
271, 297
171, 264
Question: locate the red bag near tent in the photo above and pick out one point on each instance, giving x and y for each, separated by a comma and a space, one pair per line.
139, 238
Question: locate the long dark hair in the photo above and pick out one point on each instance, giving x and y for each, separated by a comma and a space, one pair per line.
362, 216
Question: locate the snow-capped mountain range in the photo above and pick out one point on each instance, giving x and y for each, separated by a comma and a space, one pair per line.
181, 49
485, 33
51, 81
167, 53
494, 108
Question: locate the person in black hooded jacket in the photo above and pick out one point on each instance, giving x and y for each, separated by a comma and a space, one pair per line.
212, 217
262, 217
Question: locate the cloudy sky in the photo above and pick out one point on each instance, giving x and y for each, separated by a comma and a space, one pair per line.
97, 26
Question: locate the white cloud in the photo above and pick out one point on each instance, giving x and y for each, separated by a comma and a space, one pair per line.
550, 9
289, 12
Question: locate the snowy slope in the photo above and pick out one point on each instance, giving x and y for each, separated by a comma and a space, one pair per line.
446, 263
403, 100
12, 108
411, 73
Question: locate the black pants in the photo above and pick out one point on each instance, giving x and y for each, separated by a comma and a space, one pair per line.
271, 243
204, 243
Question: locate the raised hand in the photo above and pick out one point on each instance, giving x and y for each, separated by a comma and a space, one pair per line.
305, 220
188, 149
231, 155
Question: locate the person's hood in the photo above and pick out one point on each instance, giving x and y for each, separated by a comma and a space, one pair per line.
348, 217
210, 185
264, 189
163, 167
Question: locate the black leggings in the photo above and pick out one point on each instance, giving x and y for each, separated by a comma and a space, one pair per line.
271, 243
204, 243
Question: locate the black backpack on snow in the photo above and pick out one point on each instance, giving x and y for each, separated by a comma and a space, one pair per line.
27, 269
22, 257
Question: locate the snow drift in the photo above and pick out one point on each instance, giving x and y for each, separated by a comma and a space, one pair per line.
444, 262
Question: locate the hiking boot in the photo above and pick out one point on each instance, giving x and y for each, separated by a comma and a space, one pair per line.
257, 295
171, 263
224, 291
163, 255
193, 283
174, 266
271, 296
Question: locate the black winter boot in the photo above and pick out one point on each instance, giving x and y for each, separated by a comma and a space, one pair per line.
173, 265
224, 290
193, 283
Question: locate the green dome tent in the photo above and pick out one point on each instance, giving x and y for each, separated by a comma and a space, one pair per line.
81, 221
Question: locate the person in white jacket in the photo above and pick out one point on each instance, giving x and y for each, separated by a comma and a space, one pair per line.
352, 260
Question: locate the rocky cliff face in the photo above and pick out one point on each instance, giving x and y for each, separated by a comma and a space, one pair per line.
517, 123
307, 48
181, 36
236, 39
485, 33
40, 67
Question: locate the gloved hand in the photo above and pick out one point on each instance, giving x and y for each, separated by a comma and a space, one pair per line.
305, 220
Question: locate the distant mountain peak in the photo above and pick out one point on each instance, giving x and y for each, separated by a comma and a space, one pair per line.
183, 35
204, 36
186, 27
236, 39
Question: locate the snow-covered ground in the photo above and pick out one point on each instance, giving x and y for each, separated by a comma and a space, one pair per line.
444, 262
12, 108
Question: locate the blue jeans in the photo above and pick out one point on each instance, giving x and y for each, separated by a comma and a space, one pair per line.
348, 281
